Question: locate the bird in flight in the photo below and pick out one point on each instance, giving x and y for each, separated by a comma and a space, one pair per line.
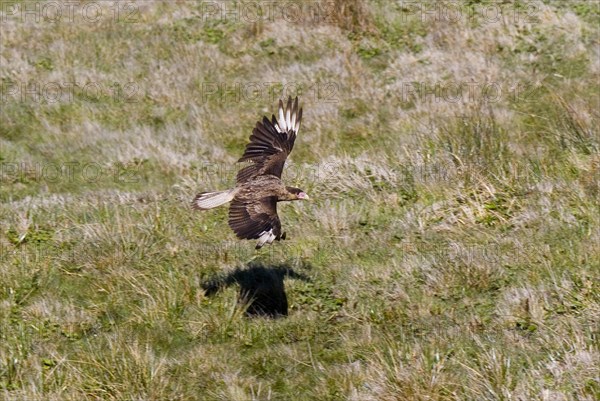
258, 188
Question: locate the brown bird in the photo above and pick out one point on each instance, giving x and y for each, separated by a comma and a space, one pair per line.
253, 210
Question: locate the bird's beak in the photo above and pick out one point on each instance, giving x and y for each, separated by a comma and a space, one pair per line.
304, 196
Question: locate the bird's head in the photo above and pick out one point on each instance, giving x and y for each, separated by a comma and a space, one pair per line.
297, 193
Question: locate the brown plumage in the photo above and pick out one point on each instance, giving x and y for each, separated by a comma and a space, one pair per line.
253, 210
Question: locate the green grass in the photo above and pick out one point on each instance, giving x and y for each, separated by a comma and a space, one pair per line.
450, 251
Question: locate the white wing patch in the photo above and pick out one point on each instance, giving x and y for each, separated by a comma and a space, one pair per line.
266, 237
281, 117
289, 120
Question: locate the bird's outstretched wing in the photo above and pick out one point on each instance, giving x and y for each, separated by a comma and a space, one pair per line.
256, 220
271, 142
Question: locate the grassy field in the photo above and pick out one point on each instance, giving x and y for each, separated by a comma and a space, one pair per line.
450, 251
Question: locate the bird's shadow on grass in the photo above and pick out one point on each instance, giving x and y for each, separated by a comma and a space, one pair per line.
262, 291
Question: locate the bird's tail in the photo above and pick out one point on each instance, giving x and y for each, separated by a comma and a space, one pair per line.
209, 200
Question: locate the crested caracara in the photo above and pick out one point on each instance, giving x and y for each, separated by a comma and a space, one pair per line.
253, 209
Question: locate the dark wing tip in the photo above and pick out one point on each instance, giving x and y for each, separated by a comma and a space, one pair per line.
194, 201
298, 120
